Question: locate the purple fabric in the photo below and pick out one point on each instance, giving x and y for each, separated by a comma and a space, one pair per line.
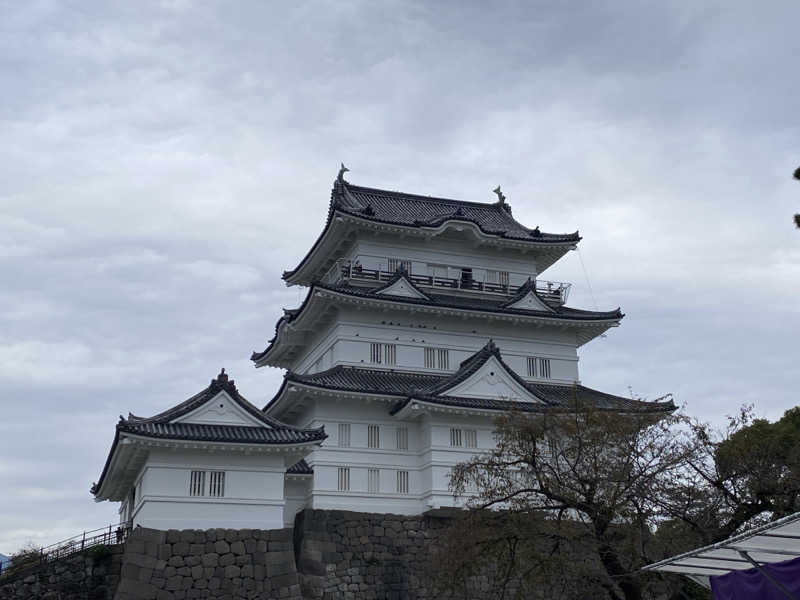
751, 584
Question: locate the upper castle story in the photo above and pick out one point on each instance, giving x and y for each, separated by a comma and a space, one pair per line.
414, 283
451, 246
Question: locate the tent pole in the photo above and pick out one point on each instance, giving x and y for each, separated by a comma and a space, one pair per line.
764, 572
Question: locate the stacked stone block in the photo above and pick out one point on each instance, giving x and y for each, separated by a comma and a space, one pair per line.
89, 575
363, 556
215, 563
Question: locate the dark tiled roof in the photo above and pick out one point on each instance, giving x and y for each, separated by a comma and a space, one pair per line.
300, 468
374, 381
221, 433
481, 304
270, 432
413, 210
408, 386
400, 208
488, 305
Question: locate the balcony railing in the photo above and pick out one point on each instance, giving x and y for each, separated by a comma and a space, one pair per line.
553, 292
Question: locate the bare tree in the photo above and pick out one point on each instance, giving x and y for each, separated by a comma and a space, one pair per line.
589, 480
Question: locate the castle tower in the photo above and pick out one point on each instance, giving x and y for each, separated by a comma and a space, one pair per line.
424, 318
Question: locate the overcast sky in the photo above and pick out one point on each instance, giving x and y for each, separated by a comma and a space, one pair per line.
162, 163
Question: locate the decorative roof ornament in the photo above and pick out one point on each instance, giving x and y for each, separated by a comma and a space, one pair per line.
501, 197
221, 378
342, 171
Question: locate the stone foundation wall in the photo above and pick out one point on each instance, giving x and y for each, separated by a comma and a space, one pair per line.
216, 563
365, 556
330, 555
92, 575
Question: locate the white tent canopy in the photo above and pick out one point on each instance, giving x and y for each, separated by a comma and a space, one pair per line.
770, 543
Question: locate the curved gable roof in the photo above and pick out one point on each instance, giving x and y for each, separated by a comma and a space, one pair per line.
425, 212
478, 306
432, 388
163, 425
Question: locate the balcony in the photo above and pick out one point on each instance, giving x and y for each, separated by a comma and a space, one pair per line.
553, 292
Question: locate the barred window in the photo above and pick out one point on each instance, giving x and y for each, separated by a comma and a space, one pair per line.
390, 354
344, 479
531, 366
470, 438
383, 354
375, 354
373, 480
396, 263
216, 484
500, 277
344, 435
544, 368
373, 436
402, 438
197, 483
437, 358
402, 482
538, 367
455, 437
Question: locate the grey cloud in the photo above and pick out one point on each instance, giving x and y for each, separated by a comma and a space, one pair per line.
164, 162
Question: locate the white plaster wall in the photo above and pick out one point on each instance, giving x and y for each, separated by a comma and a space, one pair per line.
349, 342
296, 492
428, 459
254, 490
450, 251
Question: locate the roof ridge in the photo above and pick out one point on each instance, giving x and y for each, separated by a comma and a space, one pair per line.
422, 197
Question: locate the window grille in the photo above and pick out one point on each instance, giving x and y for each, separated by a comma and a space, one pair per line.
216, 484
443, 357
390, 354
430, 358
455, 437
396, 263
470, 438
373, 436
544, 368
539, 367
402, 482
375, 354
197, 483
344, 435
373, 480
438, 271
402, 438
531, 366
500, 277
344, 479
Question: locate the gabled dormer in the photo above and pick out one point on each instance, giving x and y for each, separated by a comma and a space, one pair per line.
485, 375
400, 286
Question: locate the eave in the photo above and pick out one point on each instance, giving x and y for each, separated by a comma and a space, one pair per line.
129, 454
324, 253
291, 333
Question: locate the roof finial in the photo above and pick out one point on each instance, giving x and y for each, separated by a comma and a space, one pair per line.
501, 198
342, 171
222, 377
